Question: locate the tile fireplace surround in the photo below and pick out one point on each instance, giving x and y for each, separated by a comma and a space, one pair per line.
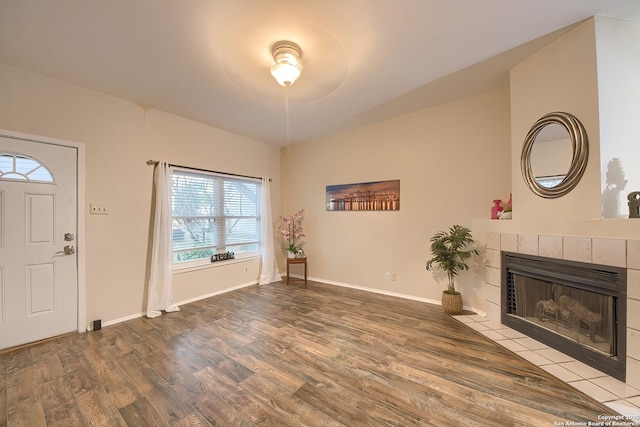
624, 398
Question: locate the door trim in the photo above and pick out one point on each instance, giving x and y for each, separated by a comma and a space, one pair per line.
80, 199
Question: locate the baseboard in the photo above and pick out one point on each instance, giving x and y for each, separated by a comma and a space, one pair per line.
119, 320
187, 301
315, 279
389, 293
212, 294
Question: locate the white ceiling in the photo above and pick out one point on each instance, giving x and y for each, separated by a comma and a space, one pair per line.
209, 60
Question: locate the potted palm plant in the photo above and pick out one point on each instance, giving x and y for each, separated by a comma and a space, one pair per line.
450, 252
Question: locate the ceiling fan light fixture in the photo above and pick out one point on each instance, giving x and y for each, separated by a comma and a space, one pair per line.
288, 62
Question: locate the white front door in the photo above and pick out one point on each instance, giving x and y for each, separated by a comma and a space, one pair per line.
38, 230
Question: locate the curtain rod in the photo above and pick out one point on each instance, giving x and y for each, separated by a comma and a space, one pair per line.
154, 162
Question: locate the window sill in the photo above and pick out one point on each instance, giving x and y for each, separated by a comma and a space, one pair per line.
205, 264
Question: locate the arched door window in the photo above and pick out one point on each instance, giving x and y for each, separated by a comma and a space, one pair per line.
18, 167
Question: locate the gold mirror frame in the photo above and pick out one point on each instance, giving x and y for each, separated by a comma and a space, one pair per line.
580, 145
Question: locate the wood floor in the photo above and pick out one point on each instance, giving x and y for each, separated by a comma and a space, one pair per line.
284, 356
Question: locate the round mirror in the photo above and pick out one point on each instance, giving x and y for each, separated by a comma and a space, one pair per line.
551, 155
554, 155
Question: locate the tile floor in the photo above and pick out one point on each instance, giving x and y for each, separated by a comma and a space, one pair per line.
612, 392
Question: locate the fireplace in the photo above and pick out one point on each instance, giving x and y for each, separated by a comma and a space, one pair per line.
576, 308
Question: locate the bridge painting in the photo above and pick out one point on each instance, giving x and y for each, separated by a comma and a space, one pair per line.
366, 196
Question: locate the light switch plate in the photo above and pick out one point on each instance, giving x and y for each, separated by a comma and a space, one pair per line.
95, 209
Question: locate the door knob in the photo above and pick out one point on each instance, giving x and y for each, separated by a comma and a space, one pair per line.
68, 250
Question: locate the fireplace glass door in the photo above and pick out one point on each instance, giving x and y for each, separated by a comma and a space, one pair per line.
579, 315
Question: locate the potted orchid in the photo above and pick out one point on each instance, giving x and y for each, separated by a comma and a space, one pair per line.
291, 231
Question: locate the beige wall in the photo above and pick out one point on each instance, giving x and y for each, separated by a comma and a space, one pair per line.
567, 76
451, 162
619, 97
120, 137
557, 78
590, 72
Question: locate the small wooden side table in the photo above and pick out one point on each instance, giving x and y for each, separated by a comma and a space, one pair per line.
302, 261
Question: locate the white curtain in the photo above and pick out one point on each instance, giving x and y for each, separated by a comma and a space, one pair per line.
269, 268
160, 280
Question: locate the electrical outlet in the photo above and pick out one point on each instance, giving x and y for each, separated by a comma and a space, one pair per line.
394, 276
387, 275
95, 209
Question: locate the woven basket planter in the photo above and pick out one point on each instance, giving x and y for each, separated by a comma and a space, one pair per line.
452, 304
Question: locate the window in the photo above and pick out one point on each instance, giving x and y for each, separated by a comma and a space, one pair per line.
213, 214
549, 181
17, 167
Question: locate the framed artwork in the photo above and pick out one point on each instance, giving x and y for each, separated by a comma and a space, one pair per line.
364, 196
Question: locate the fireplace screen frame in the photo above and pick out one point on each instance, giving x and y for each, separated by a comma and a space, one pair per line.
598, 278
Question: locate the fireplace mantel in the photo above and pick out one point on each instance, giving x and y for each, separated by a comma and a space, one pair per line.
623, 253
